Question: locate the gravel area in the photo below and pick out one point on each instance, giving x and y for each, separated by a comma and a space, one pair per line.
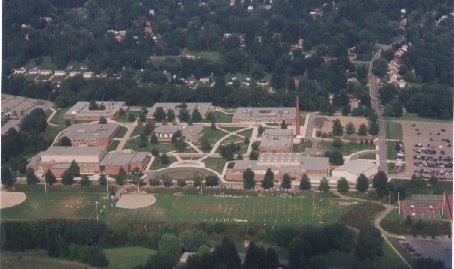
133, 201
10, 199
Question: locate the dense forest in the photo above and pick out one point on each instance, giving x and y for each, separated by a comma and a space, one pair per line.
257, 39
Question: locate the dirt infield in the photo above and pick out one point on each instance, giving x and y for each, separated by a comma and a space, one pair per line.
10, 199
133, 201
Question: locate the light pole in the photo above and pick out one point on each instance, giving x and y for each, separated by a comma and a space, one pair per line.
97, 217
137, 172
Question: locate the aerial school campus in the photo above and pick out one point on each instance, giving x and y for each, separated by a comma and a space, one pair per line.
254, 167
226, 134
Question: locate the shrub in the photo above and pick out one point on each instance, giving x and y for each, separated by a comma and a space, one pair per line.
154, 182
181, 182
168, 182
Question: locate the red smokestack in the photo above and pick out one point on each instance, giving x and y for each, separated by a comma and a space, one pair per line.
297, 115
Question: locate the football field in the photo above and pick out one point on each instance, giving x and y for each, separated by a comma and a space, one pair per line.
269, 209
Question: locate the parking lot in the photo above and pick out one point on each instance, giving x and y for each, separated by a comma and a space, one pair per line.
428, 148
438, 248
14, 108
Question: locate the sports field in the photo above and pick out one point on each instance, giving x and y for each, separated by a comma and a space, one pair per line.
177, 207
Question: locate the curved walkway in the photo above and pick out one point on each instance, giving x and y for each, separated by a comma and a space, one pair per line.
51, 117
378, 218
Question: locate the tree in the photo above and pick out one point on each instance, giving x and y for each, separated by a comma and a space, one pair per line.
7, 178
373, 128
143, 141
305, 183
298, 248
342, 185
345, 110
211, 181
205, 144
103, 180
30, 177
131, 117
362, 183
192, 240
154, 139
429, 263
102, 120
283, 125
213, 126
369, 244
67, 177
74, 169
338, 130
379, 67
254, 155
362, 130
148, 129
184, 115
350, 128
175, 136
324, 185
180, 145
92, 105
380, 184
433, 180
169, 250
65, 142
49, 177
84, 181
336, 158
248, 179
165, 159
159, 114
170, 115
196, 116
120, 179
268, 180
286, 181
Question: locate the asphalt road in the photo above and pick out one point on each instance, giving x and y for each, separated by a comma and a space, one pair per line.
375, 101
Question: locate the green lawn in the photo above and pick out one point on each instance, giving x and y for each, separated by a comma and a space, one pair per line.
368, 156
246, 133
346, 148
297, 148
158, 165
71, 203
133, 143
186, 175
391, 150
212, 135
213, 56
415, 117
137, 131
58, 117
22, 260
394, 130
349, 260
216, 164
113, 146
122, 132
232, 129
124, 118
220, 117
127, 257
53, 131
